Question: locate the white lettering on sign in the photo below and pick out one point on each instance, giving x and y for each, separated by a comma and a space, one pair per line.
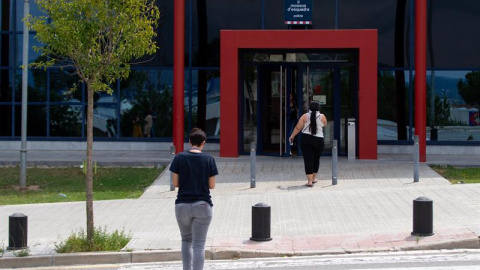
298, 7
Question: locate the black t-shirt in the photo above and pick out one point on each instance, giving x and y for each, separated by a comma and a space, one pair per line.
193, 171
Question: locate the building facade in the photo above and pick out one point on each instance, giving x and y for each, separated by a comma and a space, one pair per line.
287, 53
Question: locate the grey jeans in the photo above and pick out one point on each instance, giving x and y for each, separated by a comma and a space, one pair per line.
193, 220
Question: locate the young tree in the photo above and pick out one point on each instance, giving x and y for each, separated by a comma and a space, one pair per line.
99, 39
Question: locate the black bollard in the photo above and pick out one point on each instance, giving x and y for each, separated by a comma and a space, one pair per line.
261, 222
422, 216
17, 230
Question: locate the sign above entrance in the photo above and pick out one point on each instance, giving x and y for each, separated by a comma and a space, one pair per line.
322, 99
298, 12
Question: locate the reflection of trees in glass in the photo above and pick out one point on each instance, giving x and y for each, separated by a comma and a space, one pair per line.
36, 115
64, 121
470, 89
159, 100
346, 91
186, 129
441, 110
386, 96
60, 80
36, 121
326, 82
400, 90
202, 61
134, 83
5, 86
430, 115
204, 58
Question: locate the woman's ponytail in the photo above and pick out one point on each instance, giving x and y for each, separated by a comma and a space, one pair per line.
314, 108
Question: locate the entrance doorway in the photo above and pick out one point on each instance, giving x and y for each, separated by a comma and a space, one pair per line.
278, 92
236, 47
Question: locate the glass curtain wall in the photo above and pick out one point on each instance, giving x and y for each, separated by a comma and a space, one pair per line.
453, 97
452, 78
56, 113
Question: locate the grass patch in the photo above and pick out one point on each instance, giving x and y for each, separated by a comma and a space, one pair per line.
21, 253
458, 175
102, 241
47, 185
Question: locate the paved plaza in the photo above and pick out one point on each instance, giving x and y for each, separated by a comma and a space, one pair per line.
370, 209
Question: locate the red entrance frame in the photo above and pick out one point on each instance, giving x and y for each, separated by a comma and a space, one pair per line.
231, 41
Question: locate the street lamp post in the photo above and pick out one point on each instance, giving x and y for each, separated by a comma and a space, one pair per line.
445, 94
23, 150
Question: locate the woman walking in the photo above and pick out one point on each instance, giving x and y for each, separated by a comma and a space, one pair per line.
312, 143
194, 172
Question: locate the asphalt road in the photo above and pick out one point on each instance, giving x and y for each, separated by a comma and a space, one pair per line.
417, 260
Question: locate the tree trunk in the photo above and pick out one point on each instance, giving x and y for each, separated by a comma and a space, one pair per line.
400, 74
89, 179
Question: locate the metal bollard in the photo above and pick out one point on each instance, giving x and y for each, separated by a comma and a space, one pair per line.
253, 164
334, 162
351, 138
172, 155
17, 231
416, 159
422, 216
261, 222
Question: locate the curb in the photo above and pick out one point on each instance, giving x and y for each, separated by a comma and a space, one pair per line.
90, 258
123, 257
470, 243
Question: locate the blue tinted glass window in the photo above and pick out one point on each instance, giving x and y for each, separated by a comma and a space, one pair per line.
455, 38
6, 120
144, 92
211, 16
393, 118
36, 120
66, 121
456, 106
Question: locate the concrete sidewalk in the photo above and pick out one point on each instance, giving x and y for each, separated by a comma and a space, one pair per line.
370, 209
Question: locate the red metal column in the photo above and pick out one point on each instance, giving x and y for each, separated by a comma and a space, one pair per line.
421, 76
178, 73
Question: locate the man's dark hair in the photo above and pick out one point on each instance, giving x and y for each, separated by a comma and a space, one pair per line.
197, 136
